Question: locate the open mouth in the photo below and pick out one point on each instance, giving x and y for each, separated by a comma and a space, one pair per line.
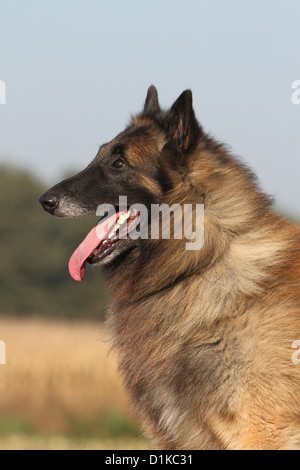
123, 226
102, 240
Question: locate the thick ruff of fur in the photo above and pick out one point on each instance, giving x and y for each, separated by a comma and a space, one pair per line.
205, 337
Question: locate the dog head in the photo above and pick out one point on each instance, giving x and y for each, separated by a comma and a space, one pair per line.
142, 164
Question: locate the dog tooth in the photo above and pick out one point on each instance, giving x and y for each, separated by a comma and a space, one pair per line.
112, 235
122, 219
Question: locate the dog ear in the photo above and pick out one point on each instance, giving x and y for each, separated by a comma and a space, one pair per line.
184, 129
151, 104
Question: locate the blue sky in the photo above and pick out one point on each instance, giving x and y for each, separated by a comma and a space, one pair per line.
75, 70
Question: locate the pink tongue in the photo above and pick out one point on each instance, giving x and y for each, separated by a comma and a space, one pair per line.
99, 233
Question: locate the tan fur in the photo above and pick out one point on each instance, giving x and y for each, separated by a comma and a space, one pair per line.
204, 337
206, 356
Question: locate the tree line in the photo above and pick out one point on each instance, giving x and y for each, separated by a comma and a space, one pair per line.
35, 249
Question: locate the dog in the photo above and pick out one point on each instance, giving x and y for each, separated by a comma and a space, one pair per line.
204, 336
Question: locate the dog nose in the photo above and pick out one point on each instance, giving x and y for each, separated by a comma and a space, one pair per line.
49, 202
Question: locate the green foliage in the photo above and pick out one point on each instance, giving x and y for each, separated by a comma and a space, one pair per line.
113, 424
35, 250
11, 425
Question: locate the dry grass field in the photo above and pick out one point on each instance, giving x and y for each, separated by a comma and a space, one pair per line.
60, 390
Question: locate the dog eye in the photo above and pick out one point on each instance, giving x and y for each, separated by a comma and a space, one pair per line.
119, 164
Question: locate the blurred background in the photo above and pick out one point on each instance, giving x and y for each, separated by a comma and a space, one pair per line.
74, 71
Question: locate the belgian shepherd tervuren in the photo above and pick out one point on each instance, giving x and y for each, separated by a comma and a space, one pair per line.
204, 336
